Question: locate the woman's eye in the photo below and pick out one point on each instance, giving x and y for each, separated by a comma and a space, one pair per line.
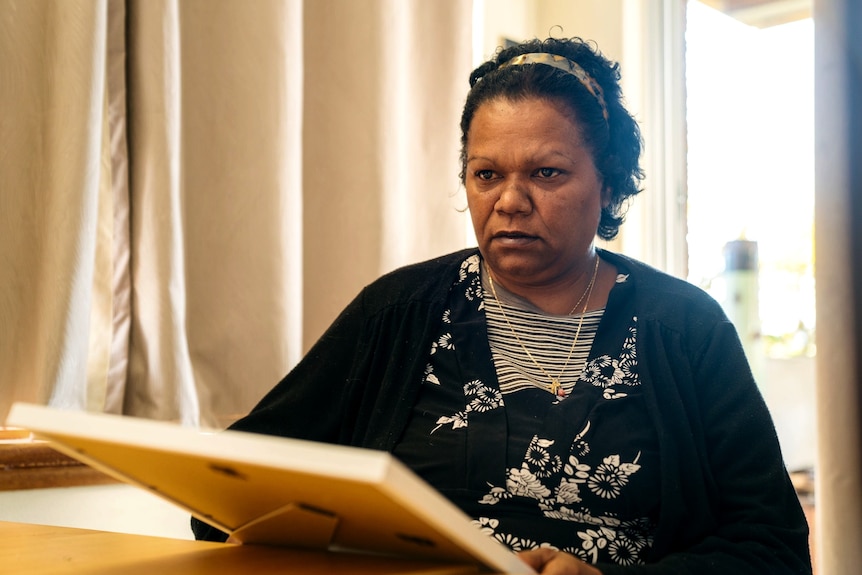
547, 172
484, 174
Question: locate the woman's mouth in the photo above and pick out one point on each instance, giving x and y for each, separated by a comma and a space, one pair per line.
513, 238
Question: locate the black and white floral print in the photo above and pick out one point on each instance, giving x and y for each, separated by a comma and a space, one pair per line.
480, 398
609, 373
430, 376
457, 420
470, 271
558, 483
552, 486
607, 480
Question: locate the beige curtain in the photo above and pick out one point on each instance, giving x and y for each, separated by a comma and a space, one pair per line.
53, 180
190, 190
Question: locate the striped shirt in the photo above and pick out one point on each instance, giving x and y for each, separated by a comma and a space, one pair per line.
548, 339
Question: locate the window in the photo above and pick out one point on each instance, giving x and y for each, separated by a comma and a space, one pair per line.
750, 115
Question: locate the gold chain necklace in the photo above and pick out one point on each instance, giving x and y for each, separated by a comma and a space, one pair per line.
555, 386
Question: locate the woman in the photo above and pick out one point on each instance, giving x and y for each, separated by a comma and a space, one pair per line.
590, 412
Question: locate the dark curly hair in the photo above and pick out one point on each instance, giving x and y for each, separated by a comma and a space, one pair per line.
615, 143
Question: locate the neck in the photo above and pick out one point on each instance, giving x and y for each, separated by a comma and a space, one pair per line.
565, 297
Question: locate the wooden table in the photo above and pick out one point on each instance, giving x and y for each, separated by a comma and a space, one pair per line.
46, 550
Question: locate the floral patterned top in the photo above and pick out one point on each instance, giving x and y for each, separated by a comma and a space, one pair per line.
578, 474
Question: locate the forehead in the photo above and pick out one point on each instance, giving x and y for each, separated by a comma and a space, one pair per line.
527, 105
524, 122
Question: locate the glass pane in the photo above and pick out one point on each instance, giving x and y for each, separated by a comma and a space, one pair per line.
750, 100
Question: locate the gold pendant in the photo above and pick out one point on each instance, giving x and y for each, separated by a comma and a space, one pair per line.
557, 389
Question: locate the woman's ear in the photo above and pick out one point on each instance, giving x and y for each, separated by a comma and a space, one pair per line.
606, 196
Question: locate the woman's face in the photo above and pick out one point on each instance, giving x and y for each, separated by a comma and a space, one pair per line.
534, 193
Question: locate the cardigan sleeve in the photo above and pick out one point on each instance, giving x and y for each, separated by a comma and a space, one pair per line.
729, 505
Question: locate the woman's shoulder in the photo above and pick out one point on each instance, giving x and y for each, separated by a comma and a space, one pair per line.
426, 280
662, 295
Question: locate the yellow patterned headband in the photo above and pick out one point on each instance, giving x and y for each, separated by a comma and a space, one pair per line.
566, 65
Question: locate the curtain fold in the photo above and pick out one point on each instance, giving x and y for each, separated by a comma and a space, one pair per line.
52, 93
384, 84
190, 190
114, 242
160, 382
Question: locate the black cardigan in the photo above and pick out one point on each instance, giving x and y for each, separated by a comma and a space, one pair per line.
727, 504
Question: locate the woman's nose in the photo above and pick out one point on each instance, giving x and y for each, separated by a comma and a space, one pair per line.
514, 197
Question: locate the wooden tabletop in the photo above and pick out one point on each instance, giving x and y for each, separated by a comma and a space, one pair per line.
48, 550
